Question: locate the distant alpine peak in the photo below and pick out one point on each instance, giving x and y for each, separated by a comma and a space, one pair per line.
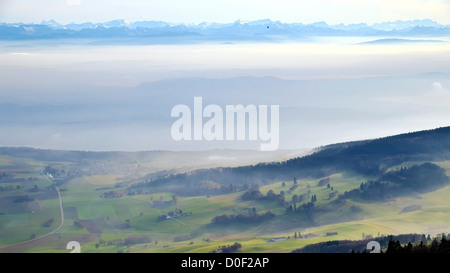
383, 26
399, 24
116, 23
51, 23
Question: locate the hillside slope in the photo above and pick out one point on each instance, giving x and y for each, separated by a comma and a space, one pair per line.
370, 158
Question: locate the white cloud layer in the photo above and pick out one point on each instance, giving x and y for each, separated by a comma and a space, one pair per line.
73, 2
195, 11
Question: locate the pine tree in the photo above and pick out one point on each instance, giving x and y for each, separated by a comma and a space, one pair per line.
393, 246
290, 209
295, 198
421, 248
424, 238
434, 248
408, 248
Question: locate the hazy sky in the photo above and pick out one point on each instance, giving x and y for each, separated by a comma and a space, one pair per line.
112, 97
196, 11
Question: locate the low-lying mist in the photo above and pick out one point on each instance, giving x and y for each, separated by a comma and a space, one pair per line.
114, 97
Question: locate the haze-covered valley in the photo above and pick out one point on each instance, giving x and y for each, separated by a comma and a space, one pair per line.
64, 94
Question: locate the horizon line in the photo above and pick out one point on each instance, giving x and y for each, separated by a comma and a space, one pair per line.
231, 149
242, 21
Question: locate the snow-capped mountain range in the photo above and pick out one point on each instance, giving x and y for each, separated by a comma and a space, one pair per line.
240, 30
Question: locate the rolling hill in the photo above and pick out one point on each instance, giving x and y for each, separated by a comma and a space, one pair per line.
369, 157
126, 202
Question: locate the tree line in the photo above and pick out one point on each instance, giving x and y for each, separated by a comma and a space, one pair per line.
371, 157
255, 194
395, 243
418, 178
252, 217
437, 245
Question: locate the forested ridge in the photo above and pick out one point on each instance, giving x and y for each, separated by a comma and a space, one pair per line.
369, 157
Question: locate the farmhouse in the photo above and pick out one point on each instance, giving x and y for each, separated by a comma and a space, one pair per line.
277, 239
174, 214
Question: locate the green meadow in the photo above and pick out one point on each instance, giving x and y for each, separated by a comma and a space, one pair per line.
106, 224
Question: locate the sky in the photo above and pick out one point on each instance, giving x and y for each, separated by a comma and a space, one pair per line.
223, 11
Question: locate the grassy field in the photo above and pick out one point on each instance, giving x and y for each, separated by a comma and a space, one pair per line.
23, 220
108, 222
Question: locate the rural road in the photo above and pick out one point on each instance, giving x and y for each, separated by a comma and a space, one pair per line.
19, 247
